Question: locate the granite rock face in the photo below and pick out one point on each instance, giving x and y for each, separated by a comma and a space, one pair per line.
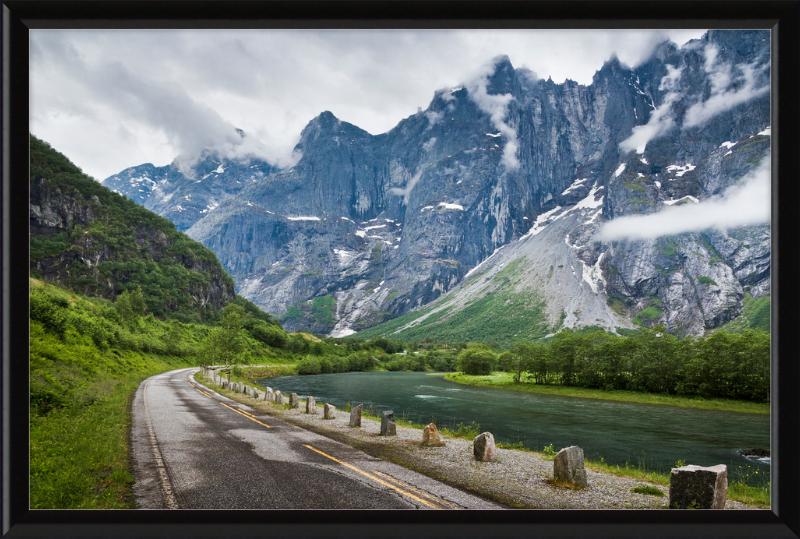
696, 487
364, 228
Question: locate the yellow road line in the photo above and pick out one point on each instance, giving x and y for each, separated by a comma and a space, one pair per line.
382, 482
412, 489
245, 415
203, 393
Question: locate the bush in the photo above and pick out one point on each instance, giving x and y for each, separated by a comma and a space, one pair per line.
476, 361
309, 366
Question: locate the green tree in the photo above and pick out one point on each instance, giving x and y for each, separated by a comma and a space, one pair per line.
130, 304
477, 360
231, 341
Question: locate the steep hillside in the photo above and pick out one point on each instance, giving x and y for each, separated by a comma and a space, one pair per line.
100, 244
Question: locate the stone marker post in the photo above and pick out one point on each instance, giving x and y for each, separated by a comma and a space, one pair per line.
696, 487
269, 395
568, 466
246, 390
255, 393
311, 405
278, 397
431, 437
224, 384
388, 427
483, 447
330, 411
293, 400
355, 416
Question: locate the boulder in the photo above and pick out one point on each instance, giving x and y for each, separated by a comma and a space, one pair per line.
269, 395
696, 487
568, 466
355, 416
388, 427
754, 452
311, 405
483, 447
278, 397
294, 401
431, 437
330, 411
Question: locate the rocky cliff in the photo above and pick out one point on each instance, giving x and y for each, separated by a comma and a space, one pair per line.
367, 228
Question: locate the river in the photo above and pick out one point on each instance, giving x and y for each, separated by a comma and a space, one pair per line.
641, 434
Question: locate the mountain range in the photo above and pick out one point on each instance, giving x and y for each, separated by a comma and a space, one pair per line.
482, 214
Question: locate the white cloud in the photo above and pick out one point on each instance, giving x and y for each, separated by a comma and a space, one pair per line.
745, 203
496, 106
271, 83
661, 119
433, 117
722, 98
405, 192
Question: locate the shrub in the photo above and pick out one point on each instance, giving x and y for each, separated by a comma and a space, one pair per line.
476, 361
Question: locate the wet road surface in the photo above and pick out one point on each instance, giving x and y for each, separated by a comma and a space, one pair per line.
195, 449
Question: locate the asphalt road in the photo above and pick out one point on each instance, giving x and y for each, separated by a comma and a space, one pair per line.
195, 449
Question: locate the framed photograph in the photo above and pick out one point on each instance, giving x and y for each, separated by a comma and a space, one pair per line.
588, 202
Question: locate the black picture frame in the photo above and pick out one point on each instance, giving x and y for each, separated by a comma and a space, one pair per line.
782, 17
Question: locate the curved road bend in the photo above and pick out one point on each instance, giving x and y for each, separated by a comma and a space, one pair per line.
195, 449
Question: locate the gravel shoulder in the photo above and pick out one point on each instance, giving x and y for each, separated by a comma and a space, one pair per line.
517, 479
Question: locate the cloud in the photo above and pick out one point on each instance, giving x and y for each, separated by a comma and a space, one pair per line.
271, 83
662, 119
405, 192
496, 106
193, 129
746, 203
722, 98
434, 117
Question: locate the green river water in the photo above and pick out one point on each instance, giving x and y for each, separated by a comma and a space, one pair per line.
641, 434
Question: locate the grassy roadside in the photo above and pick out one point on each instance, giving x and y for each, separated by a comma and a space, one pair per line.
504, 380
737, 491
80, 456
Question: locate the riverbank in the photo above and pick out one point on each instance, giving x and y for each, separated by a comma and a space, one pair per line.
518, 479
504, 380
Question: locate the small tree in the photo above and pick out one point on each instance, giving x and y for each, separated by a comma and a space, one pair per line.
130, 304
229, 335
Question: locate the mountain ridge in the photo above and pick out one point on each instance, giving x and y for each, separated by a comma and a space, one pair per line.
383, 224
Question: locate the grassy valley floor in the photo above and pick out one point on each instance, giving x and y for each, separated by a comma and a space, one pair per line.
504, 380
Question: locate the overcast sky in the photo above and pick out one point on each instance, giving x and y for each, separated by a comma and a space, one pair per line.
109, 100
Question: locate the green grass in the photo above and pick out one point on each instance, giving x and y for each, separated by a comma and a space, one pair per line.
755, 315
79, 452
501, 316
650, 313
646, 489
702, 279
504, 380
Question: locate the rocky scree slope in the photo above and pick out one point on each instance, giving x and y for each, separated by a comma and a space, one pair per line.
365, 228
85, 237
